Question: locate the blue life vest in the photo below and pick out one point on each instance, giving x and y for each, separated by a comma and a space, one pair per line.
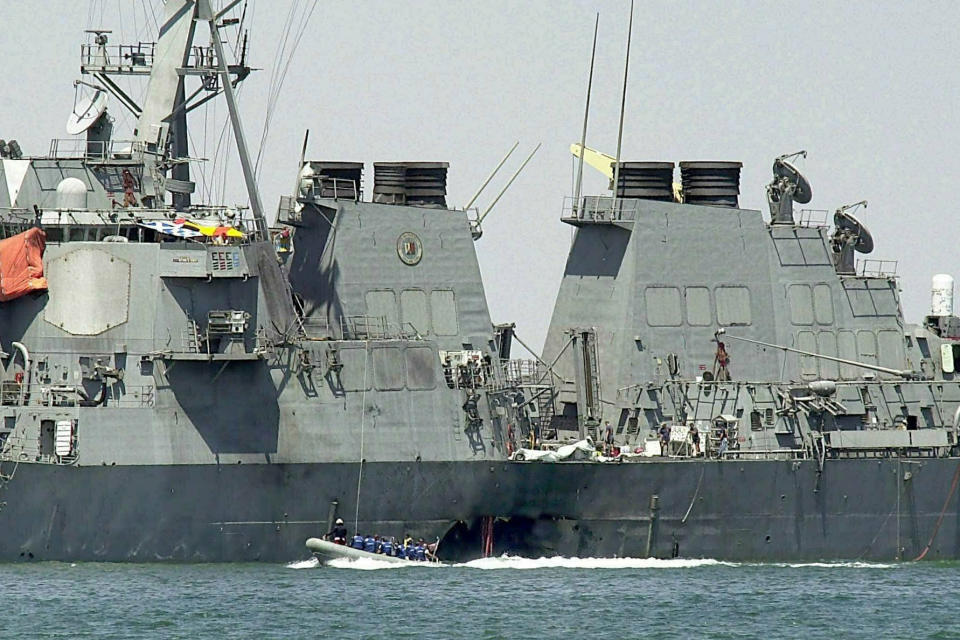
369, 544
357, 542
400, 551
421, 552
387, 548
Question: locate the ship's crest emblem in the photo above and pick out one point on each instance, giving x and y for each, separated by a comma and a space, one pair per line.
409, 248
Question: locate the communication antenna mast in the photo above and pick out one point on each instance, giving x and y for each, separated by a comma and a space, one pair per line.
490, 177
623, 105
586, 115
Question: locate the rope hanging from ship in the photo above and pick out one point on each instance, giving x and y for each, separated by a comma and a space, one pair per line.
936, 528
363, 414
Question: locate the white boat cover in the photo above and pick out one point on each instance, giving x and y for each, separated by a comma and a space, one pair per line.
581, 450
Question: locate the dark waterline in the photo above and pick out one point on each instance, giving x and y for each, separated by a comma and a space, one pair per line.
496, 598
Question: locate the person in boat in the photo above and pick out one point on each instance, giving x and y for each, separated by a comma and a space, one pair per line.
357, 542
407, 540
421, 551
370, 544
339, 532
401, 552
386, 547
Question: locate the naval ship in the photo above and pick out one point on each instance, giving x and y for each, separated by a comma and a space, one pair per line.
187, 382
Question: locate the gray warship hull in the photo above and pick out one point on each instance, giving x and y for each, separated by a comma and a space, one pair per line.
854, 509
189, 383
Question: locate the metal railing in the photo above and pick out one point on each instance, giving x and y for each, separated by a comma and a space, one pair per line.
813, 218
96, 57
877, 268
96, 150
137, 58
337, 188
363, 327
766, 454
525, 373
81, 221
599, 209
17, 394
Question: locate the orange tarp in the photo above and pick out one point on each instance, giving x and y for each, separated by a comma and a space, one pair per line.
21, 264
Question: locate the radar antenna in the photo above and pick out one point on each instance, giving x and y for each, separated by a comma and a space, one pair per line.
86, 112
90, 116
849, 236
788, 186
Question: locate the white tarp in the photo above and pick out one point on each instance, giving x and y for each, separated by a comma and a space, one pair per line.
582, 450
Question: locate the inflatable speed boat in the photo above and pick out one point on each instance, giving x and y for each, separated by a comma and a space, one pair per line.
326, 551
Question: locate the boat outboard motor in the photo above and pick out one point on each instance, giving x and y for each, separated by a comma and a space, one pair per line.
788, 186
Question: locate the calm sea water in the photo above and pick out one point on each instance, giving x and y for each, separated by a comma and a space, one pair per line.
493, 598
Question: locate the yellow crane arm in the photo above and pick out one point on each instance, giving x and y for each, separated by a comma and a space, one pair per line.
596, 159
604, 164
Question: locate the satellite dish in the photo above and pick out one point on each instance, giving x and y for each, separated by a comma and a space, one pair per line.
802, 192
848, 222
86, 112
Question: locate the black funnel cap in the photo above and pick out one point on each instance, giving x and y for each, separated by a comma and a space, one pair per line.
711, 183
646, 180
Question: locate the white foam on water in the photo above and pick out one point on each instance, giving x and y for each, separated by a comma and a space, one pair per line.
311, 563
516, 562
369, 564
560, 562
828, 565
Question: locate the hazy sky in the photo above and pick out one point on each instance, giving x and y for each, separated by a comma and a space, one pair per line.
868, 89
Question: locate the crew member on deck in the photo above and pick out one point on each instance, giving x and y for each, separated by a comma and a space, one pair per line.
664, 439
724, 441
369, 544
608, 439
357, 542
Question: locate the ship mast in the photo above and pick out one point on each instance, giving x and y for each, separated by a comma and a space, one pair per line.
205, 12
161, 128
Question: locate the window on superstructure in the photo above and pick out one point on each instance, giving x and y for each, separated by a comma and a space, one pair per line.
823, 303
443, 311
414, 312
355, 374
733, 305
388, 368
801, 304
699, 313
807, 341
663, 306
421, 364
382, 305
867, 347
891, 349
827, 346
847, 348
